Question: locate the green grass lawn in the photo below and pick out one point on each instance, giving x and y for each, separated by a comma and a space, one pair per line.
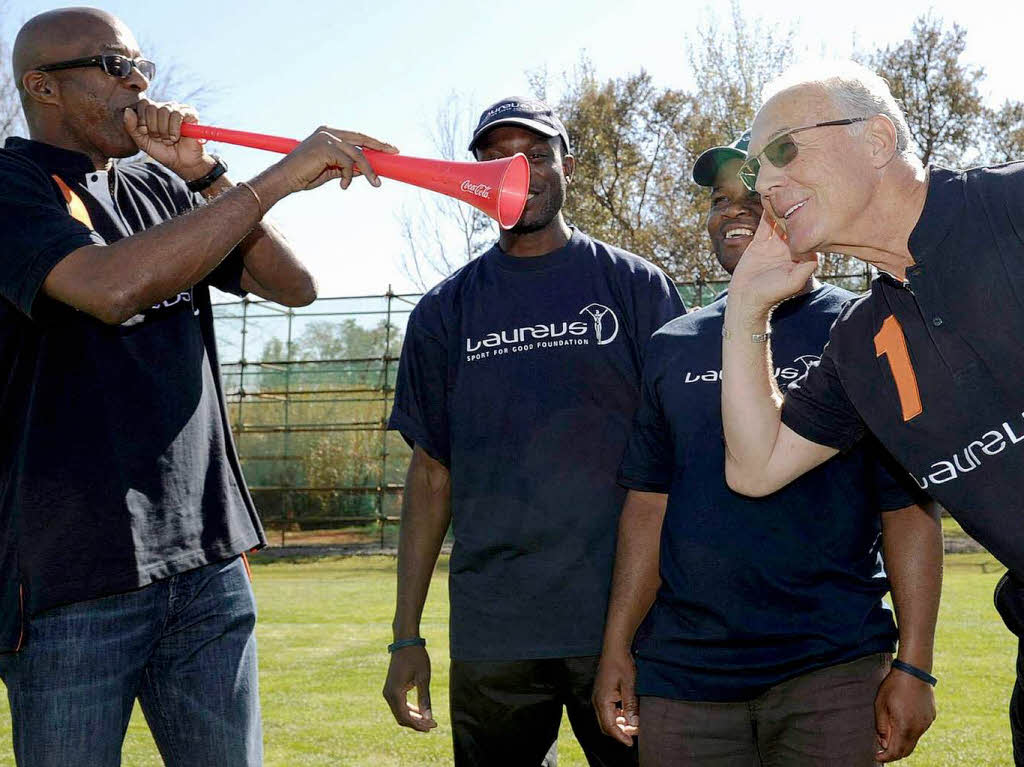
324, 626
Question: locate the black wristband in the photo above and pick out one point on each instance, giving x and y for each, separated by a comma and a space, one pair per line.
206, 181
400, 643
914, 671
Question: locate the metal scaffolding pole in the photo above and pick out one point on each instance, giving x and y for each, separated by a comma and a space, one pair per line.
241, 361
287, 421
384, 417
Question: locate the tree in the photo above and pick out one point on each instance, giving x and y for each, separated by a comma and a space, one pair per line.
318, 407
625, 138
940, 94
10, 107
347, 340
441, 234
1004, 133
730, 69
332, 354
636, 143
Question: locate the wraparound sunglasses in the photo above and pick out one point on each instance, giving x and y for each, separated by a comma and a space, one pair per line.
782, 151
111, 63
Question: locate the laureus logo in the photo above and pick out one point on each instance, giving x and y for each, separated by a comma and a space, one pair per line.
606, 324
809, 361
185, 297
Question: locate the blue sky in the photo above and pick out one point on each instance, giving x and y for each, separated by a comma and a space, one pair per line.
384, 67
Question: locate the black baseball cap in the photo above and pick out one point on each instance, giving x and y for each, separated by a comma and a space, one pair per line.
707, 165
532, 114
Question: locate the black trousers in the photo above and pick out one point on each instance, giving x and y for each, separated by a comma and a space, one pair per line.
1009, 598
507, 713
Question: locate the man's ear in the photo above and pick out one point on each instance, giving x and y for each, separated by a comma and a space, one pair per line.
568, 167
880, 134
41, 87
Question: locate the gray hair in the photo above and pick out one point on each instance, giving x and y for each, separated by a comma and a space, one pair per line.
853, 88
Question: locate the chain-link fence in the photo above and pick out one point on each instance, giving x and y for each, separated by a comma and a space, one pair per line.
309, 393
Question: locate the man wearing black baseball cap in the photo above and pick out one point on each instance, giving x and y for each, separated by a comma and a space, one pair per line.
518, 380
766, 640
536, 116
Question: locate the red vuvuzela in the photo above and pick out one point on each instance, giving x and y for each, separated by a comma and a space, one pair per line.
497, 187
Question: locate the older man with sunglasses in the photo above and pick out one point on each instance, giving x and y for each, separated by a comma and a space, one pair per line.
124, 516
930, 361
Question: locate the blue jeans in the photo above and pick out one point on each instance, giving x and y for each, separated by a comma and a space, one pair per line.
183, 646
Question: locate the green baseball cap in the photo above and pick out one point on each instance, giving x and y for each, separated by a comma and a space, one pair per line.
707, 165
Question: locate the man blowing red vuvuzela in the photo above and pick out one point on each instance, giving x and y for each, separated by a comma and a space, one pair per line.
517, 384
123, 511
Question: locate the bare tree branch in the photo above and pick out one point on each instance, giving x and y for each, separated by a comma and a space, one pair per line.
940, 94
12, 121
441, 221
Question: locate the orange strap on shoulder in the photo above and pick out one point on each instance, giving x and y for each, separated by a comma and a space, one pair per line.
248, 567
21, 613
75, 205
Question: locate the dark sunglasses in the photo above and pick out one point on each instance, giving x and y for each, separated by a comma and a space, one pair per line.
111, 63
782, 151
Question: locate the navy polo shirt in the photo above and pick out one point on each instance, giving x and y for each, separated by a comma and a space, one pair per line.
116, 461
521, 375
753, 591
933, 367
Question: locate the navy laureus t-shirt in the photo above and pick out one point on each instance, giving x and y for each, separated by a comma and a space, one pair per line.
521, 375
754, 591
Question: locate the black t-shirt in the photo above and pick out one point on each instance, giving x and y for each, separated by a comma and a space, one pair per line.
754, 591
522, 375
116, 461
933, 368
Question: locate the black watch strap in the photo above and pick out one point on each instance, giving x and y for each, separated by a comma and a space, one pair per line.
206, 181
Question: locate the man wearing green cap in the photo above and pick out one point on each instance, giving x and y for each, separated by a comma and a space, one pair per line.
752, 631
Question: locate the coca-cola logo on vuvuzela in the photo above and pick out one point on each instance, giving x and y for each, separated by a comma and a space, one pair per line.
480, 190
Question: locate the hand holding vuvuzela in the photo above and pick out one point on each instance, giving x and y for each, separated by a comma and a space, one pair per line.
329, 154
156, 129
164, 132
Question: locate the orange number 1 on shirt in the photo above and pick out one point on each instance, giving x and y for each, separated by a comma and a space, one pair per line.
891, 342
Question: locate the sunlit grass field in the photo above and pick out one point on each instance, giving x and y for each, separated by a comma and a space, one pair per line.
324, 626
